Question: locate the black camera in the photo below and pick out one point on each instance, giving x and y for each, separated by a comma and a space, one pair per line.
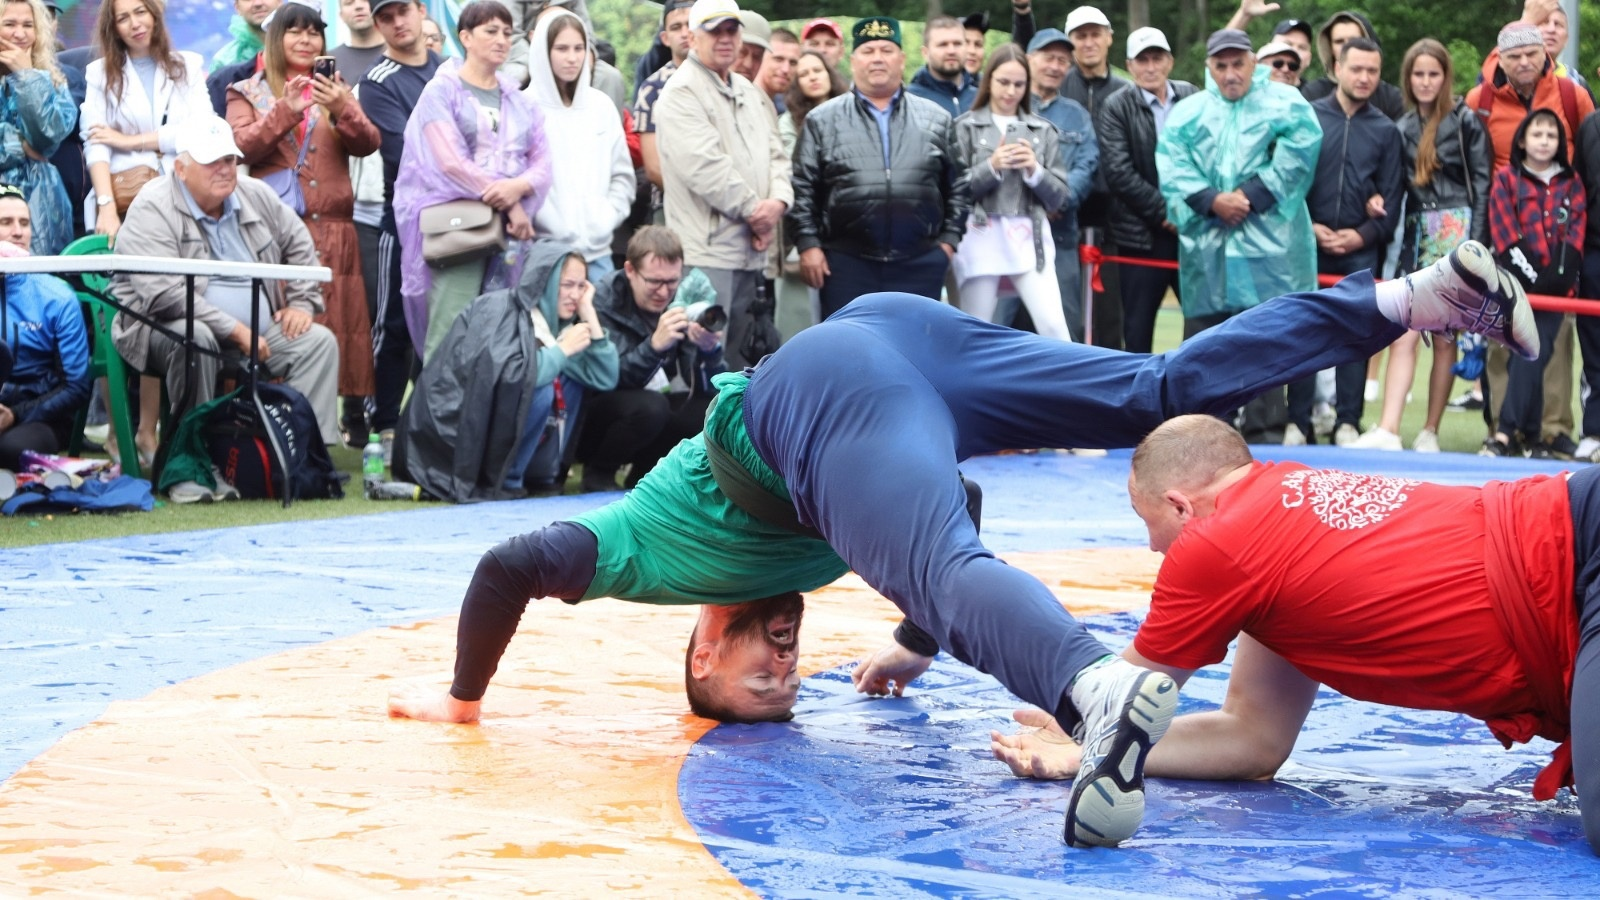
708, 315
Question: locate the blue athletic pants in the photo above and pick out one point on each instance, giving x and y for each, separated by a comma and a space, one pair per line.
867, 415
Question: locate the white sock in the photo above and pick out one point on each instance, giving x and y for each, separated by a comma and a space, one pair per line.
1394, 300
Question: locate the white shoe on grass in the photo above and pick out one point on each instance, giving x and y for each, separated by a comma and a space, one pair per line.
1378, 439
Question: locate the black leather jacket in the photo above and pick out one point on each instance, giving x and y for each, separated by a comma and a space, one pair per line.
1127, 130
845, 199
1462, 178
630, 328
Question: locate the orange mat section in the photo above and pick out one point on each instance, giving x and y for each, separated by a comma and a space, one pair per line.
285, 777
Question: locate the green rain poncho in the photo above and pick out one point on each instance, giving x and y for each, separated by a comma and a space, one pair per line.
1212, 145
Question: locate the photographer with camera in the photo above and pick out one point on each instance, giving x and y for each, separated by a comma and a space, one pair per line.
667, 329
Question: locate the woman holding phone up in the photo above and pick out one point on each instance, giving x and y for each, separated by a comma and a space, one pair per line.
1017, 178
293, 117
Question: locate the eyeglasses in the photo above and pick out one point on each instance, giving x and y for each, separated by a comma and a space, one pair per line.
657, 284
1292, 65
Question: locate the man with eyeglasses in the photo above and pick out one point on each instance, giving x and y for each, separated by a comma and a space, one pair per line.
1284, 60
665, 362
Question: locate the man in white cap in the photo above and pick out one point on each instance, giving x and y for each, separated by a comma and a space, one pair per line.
205, 210
1129, 125
725, 175
757, 40
1284, 61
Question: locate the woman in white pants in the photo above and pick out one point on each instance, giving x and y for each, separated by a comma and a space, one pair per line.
1017, 178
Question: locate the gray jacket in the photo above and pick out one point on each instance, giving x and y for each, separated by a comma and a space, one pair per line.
159, 224
1008, 194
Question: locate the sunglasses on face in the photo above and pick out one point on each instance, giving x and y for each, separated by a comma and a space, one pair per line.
1292, 65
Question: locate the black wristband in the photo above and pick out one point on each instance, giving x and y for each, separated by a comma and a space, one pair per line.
913, 638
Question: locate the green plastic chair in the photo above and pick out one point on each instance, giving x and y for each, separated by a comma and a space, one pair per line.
104, 361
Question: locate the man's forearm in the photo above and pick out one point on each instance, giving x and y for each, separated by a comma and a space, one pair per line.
1214, 746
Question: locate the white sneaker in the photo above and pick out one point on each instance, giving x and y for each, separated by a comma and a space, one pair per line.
1588, 450
1428, 441
1125, 710
1466, 291
1379, 439
1323, 418
223, 491
1370, 393
190, 492
1293, 436
1346, 435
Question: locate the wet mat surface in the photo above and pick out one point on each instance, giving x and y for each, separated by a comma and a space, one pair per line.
900, 797
281, 774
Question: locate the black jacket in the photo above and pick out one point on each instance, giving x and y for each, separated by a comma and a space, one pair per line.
1127, 131
1386, 97
630, 328
1360, 157
1586, 159
1466, 165
846, 200
1093, 94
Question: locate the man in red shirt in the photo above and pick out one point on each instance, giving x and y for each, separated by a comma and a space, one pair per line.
1323, 577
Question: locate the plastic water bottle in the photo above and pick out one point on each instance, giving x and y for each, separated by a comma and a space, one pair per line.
372, 463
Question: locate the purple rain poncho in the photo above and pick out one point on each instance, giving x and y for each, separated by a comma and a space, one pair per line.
452, 152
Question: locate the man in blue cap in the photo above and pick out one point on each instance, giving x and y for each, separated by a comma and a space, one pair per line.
1049, 60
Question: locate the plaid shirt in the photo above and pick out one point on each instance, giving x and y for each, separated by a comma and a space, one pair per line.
1523, 207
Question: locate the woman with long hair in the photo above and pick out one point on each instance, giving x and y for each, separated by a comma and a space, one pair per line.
287, 118
36, 113
593, 187
473, 136
1017, 178
815, 82
1448, 164
140, 93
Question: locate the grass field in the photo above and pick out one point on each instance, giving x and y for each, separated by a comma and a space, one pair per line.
1459, 432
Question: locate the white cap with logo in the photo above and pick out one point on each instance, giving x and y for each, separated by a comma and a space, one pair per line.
207, 139
1143, 39
1085, 15
708, 14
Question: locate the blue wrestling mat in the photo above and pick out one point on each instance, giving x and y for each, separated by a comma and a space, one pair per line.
888, 797
900, 797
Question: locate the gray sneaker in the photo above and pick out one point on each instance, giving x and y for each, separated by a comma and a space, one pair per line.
223, 491
190, 492
1125, 710
1466, 291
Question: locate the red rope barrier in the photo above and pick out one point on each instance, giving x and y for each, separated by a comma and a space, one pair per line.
1093, 256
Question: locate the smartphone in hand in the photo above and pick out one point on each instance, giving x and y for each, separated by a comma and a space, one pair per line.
326, 66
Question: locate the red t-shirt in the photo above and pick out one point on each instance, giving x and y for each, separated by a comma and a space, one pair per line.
1384, 589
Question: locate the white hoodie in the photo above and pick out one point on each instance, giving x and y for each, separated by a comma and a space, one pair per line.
593, 187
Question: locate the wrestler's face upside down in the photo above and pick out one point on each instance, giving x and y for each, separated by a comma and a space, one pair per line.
743, 661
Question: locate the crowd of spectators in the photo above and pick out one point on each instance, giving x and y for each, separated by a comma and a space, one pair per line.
747, 156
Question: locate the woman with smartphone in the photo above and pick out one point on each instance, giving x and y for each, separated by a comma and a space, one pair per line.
298, 115
1017, 178
36, 112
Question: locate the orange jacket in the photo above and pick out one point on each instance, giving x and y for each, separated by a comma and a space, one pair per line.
1507, 109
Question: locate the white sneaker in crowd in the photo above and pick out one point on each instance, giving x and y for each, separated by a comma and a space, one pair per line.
1323, 418
1125, 710
1588, 450
1427, 441
1377, 439
1346, 435
190, 492
1293, 436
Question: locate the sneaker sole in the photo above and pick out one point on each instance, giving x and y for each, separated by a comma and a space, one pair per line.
1107, 803
1473, 263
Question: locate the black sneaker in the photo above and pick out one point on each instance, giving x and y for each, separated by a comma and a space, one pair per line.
1559, 447
1495, 447
597, 480
1467, 402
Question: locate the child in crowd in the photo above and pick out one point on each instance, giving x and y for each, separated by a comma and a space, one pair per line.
1537, 216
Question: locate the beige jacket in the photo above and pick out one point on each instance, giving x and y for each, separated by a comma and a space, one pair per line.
159, 224
720, 155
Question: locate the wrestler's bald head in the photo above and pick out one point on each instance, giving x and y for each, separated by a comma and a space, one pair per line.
1188, 453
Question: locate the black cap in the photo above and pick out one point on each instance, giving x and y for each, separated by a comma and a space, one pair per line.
375, 5
978, 21
1288, 25
1228, 39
